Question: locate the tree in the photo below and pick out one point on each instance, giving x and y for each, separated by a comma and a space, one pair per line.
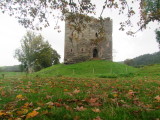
158, 36
150, 11
128, 61
35, 53
29, 12
146, 59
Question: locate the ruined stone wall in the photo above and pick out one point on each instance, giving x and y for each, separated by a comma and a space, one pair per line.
82, 46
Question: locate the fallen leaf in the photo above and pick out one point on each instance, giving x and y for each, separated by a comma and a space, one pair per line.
157, 98
32, 114
2, 113
27, 105
57, 104
49, 103
80, 108
48, 97
68, 107
3, 93
20, 97
97, 118
54, 104
76, 91
38, 108
131, 93
115, 94
22, 112
65, 90
92, 100
97, 104
96, 110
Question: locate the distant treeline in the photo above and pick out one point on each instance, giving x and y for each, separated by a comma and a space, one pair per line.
146, 59
15, 68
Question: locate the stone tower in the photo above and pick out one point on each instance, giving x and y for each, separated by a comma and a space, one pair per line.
82, 47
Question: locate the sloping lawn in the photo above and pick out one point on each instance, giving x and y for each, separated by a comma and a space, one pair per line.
67, 98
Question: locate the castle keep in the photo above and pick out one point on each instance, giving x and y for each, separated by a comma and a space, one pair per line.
83, 46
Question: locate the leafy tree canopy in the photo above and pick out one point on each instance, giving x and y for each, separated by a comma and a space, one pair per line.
158, 36
146, 59
29, 12
35, 53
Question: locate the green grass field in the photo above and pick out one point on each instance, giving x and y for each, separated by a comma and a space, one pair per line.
48, 95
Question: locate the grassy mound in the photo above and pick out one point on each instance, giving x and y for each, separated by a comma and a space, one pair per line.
95, 68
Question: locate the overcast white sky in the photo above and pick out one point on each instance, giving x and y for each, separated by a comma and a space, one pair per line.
124, 46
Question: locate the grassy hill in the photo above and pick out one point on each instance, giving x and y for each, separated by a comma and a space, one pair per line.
150, 70
95, 68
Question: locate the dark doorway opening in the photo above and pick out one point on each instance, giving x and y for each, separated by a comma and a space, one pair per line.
95, 53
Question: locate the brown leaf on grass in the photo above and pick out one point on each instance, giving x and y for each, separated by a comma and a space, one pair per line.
57, 104
44, 112
97, 104
49, 103
10, 105
32, 114
92, 100
96, 110
38, 108
70, 94
54, 104
2, 113
20, 97
97, 118
80, 108
1, 88
22, 112
65, 90
157, 98
3, 93
48, 97
27, 105
76, 91
115, 95
131, 93
68, 107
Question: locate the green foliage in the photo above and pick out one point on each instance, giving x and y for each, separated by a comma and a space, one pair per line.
151, 5
34, 13
35, 53
150, 11
143, 60
93, 68
158, 36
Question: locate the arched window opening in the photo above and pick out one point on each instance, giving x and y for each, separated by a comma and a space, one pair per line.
82, 50
95, 53
96, 35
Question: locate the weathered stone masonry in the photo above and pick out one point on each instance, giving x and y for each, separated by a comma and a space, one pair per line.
83, 48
